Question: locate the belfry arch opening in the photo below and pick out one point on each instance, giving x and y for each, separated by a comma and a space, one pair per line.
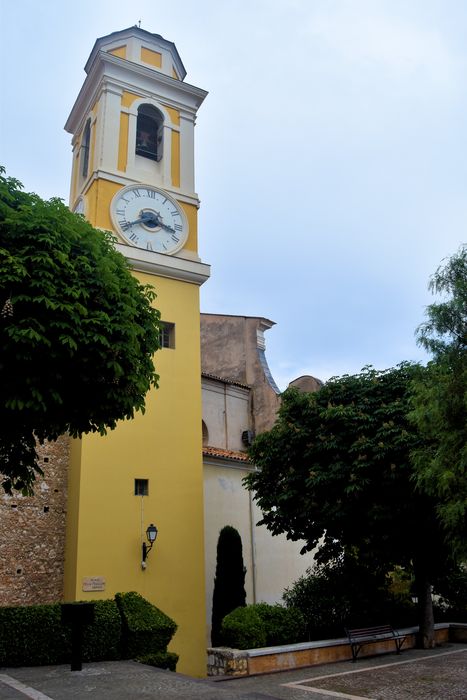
149, 132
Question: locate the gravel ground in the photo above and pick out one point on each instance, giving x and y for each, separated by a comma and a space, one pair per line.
439, 674
436, 677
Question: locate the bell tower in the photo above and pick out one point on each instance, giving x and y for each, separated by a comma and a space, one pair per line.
132, 129
133, 123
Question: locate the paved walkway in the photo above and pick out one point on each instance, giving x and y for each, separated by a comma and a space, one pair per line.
439, 674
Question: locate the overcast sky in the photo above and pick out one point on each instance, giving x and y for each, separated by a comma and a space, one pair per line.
330, 154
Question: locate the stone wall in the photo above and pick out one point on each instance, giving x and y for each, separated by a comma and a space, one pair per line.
32, 534
227, 662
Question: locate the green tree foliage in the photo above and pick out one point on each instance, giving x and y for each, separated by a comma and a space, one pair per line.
451, 591
335, 471
77, 331
345, 593
439, 401
229, 583
445, 330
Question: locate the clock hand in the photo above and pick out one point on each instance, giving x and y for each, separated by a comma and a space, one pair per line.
136, 221
149, 217
145, 217
165, 227
159, 222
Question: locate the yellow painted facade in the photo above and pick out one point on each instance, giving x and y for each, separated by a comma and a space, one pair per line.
106, 522
176, 158
128, 98
154, 58
174, 115
120, 51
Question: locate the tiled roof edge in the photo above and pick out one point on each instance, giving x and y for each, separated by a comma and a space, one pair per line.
207, 375
209, 451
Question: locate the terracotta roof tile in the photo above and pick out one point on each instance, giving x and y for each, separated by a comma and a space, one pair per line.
226, 380
209, 451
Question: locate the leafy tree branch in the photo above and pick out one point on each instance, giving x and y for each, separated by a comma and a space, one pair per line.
77, 331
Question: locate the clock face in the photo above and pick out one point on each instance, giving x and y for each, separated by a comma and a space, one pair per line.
149, 218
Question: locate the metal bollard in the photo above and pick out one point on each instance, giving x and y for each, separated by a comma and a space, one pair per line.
76, 616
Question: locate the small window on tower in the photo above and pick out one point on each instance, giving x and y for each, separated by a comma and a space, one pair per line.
141, 487
167, 335
149, 132
85, 143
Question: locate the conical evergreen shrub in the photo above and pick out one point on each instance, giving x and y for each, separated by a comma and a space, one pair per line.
229, 583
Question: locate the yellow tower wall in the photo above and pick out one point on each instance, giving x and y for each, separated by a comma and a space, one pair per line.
107, 522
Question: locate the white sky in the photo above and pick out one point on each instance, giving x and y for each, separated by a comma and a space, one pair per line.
330, 156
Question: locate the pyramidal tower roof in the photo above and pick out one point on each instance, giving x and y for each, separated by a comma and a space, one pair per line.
140, 46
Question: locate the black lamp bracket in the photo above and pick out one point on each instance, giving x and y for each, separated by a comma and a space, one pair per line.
151, 535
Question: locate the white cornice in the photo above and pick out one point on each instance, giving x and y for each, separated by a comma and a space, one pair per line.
217, 461
124, 181
107, 70
161, 265
87, 96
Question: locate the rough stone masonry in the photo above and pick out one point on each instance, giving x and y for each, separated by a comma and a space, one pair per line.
32, 533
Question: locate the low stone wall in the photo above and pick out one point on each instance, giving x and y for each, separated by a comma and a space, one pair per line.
223, 661
458, 632
234, 662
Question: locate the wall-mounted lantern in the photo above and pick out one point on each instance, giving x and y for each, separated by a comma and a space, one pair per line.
151, 535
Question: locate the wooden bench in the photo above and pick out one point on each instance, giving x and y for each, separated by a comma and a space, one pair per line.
367, 635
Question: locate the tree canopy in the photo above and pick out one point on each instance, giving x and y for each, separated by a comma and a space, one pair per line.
77, 331
439, 401
335, 471
445, 330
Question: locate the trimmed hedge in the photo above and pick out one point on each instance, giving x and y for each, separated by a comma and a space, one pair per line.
243, 629
261, 625
35, 636
282, 625
102, 639
161, 659
145, 628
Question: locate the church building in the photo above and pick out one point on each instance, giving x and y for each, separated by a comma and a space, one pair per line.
140, 509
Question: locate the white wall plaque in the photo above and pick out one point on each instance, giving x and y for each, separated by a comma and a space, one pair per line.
94, 583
